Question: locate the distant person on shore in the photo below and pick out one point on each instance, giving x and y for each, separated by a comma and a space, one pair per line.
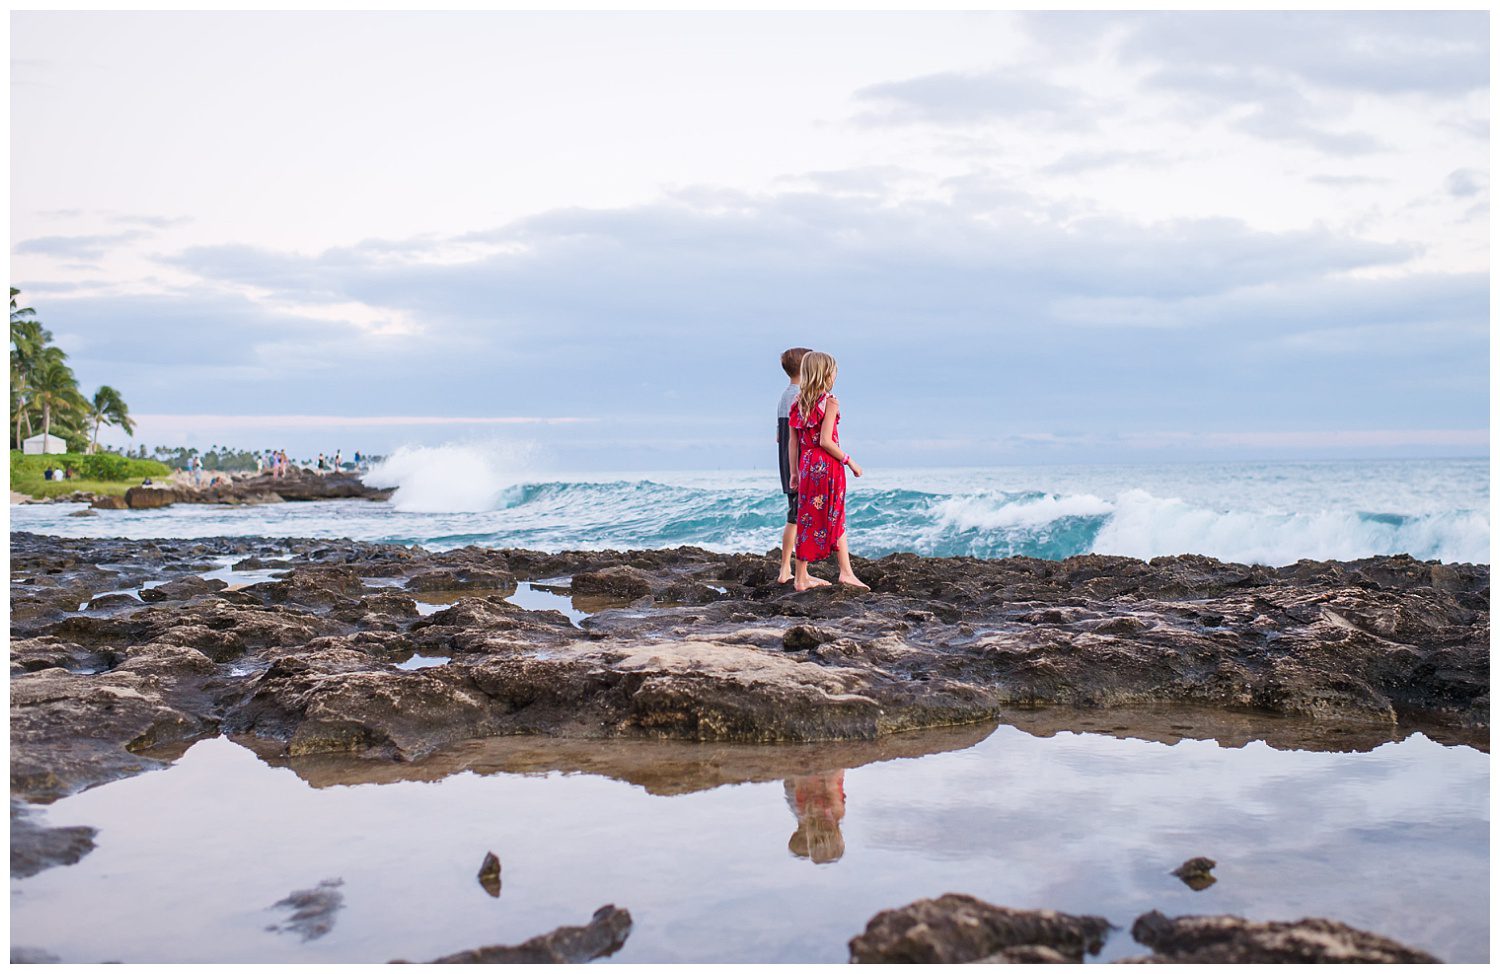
820, 473
321, 465
338, 461
195, 465
786, 453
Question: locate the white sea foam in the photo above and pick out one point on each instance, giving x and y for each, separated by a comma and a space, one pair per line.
454, 478
989, 512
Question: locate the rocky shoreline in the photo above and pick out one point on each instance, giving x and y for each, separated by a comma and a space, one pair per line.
121, 646
236, 489
352, 662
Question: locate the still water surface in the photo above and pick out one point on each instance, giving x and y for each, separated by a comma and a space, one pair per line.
728, 853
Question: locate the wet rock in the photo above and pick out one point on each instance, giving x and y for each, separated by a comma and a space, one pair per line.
313, 910
622, 581
118, 600
84, 513
1234, 940
804, 637
34, 847
109, 503
147, 498
489, 874
461, 579
182, 588
604, 934
959, 929
70, 731
1197, 872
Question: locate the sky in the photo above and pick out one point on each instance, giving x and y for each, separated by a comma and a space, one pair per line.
1027, 238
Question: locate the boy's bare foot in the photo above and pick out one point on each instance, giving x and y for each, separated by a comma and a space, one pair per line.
852, 581
813, 581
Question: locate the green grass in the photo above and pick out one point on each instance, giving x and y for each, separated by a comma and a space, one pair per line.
99, 473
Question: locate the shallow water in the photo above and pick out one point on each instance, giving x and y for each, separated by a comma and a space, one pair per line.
725, 853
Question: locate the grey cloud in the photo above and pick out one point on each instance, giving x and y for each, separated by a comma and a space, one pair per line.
148, 220
1344, 182
82, 247
1466, 182
655, 313
967, 97
1440, 53
1084, 161
1270, 124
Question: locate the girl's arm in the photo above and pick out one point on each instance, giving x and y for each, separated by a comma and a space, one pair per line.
825, 434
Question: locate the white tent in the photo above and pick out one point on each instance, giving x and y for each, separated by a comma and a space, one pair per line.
44, 443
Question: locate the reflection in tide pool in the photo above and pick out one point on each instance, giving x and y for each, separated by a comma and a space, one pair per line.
759, 854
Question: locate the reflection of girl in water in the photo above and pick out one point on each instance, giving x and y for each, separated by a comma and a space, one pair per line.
818, 802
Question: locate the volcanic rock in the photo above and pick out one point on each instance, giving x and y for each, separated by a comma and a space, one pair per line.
1234, 940
146, 498
959, 929
604, 934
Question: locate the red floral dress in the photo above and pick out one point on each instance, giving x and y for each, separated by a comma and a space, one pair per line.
820, 486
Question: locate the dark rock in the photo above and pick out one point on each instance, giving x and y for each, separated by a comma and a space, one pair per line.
1234, 940
489, 874
109, 503
804, 637
959, 929
182, 588
118, 600
1196, 872
461, 579
34, 847
621, 581
84, 513
146, 498
604, 934
313, 910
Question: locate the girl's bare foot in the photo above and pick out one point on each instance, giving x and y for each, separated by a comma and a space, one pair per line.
853, 581
783, 578
812, 581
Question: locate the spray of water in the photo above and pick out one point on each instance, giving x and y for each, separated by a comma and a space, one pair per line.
454, 477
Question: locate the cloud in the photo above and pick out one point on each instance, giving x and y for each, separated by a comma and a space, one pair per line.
962, 98
1091, 161
1465, 183
1430, 53
81, 247
148, 220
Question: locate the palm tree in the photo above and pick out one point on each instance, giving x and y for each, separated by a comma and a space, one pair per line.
54, 388
108, 407
27, 341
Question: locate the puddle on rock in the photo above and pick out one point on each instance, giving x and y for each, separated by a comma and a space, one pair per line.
420, 662
739, 853
535, 596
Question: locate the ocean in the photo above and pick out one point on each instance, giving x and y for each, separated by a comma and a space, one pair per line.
1271, 513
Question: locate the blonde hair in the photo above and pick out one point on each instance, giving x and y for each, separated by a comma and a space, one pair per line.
817, 378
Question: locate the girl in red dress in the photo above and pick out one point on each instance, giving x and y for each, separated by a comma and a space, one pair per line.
820, 473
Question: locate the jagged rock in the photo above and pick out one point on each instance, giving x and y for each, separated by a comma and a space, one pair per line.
313, 910
109, 502
461, 579
604, 934
1235, 940
959, 929
182, 588
146, 498
83, 513
1350, 647
489, 874
1197, 872
621, 581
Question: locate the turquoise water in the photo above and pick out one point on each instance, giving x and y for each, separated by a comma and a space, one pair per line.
1267, 513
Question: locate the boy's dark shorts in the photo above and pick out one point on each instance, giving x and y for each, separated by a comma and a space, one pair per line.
791, 507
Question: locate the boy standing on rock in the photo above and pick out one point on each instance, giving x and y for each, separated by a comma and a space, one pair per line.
786, 449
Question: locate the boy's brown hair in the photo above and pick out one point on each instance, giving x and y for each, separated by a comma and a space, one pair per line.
791, 362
